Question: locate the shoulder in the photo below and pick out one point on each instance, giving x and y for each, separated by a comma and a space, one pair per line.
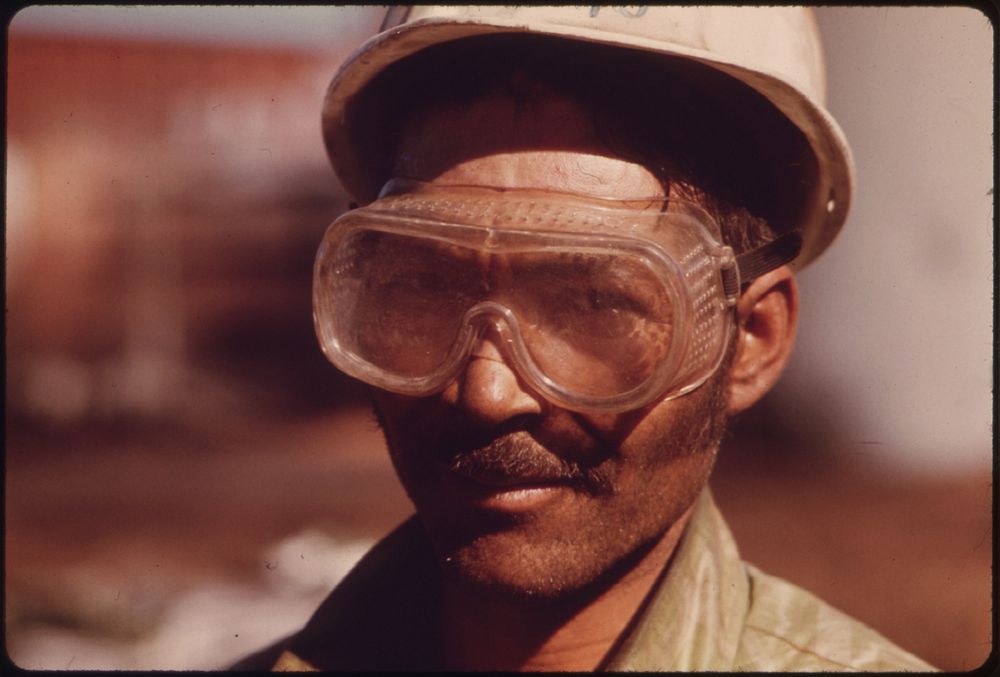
381, 616
790, 629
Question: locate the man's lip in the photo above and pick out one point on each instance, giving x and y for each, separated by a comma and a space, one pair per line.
502, 494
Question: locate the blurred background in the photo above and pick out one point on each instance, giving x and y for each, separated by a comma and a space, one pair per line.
187, 477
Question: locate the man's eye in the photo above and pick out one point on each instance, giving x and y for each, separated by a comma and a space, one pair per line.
605, 301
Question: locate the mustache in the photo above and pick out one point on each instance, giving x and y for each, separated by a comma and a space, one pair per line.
515, 456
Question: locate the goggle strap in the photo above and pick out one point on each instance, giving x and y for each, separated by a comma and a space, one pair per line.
777, 252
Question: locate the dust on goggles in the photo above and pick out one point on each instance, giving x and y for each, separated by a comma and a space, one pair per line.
599, 305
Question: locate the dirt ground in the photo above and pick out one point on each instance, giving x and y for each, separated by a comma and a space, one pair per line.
106, 528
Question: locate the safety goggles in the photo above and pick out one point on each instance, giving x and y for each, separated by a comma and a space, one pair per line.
599, 305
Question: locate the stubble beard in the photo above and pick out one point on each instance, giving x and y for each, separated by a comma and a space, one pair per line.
541, 560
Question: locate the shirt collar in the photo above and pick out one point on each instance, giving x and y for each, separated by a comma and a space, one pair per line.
694, 619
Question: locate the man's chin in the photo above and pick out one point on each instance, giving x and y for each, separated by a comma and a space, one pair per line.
510, 578
544, 572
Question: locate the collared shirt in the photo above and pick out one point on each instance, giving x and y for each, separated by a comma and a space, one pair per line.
710, 612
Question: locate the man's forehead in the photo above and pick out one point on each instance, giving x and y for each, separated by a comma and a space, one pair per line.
563, 171
547, 142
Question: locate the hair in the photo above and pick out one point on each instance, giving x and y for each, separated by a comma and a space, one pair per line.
706, 136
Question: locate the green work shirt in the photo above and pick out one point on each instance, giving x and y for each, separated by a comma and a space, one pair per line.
710, 612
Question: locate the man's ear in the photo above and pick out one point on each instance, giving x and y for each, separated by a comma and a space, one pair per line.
767, 315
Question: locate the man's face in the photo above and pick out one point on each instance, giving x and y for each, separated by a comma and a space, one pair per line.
518, 495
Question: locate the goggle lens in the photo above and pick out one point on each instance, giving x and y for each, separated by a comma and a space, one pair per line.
596, 323
400, 300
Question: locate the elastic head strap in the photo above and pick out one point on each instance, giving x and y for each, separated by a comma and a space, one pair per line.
754, 263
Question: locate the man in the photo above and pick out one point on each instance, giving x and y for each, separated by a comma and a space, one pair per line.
574, 262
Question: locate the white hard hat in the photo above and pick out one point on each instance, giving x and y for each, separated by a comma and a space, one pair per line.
774, 50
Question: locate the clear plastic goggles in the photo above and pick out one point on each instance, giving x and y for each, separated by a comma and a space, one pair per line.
599, 305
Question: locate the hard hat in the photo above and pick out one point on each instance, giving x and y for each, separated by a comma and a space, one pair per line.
774, 50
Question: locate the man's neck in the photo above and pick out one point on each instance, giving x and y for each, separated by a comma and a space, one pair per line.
487, 632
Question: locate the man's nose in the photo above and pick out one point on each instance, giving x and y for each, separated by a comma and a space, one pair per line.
488, 389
